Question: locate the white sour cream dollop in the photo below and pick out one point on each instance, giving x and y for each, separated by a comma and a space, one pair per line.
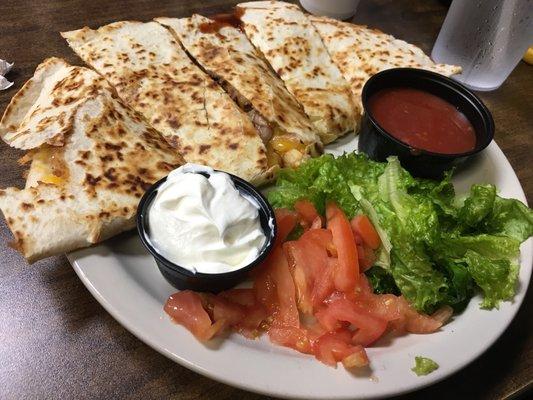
204, 224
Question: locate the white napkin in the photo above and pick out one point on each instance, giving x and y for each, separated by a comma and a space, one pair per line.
4, 69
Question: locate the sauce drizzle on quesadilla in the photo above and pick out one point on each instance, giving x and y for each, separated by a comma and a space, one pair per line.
221, 20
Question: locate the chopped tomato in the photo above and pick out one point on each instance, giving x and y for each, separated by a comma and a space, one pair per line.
292, 337
265, 289
186, 309
317, 223
357, 359
324, 283
363, 286
362, 226
366, 257
413, 321
308, 263
286, 221
287, 313
301, 275
443, 314
421, 323
336, 346
313, 329
309, 294
385, 306
333, 346
307, 212
231, 314
245, 319
322, 237
340, 309
348, 269
244, 297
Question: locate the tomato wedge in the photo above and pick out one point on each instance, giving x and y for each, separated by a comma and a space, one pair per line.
309, 265
286, 221
339, 309
307, 212
231, 314
348, 269
287, 313
244, 297
366, 257
362, 226
301, 274
336, 346
317, 223
292, 337
186, 309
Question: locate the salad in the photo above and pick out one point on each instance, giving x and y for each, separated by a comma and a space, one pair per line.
365, 250
437, 249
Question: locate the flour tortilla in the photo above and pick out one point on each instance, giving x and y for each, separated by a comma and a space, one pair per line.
283, 33
225, 53
361, 52
91, 159
154, 76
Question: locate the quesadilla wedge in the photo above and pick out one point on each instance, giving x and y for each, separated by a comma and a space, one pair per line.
154, 76
282, 32
227, 55
91, 159
361, 52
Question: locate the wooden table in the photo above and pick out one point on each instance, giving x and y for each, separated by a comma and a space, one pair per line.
57, 342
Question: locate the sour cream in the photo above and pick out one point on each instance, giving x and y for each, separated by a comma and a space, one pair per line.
204, 224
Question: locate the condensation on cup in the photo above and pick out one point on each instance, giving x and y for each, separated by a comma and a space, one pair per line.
339, 9
487, 38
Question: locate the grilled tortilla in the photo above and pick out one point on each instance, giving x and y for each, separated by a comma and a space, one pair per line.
155, 77
225, 53
91, 159
360, 52
284, 35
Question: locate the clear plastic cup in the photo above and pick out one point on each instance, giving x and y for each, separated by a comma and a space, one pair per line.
487, 38
340, 9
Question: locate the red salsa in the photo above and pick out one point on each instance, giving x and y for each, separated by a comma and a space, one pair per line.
422, 120
219, 21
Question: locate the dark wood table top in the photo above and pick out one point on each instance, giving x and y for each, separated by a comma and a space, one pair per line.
56, 341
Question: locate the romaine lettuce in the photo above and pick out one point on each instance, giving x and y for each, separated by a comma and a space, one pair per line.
436, 250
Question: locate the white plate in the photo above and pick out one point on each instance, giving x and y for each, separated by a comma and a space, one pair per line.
125, 280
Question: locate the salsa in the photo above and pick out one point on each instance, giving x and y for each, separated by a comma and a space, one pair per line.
422, 120
220, 21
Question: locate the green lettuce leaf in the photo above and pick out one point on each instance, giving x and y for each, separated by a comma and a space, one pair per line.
509, 217
493, 247
382, 281
461, 285
328, 178
424, 366
496, 278
478, 205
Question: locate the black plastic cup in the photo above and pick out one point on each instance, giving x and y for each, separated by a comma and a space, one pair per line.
378, 144
182, 278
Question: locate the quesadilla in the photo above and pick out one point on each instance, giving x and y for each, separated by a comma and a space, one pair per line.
284, 35
91, 159
361, 52
154, 76
226, 54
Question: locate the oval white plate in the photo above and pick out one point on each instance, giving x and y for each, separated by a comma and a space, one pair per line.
126, 281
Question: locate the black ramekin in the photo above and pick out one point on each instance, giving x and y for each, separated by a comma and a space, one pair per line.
182, 278
378, 144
